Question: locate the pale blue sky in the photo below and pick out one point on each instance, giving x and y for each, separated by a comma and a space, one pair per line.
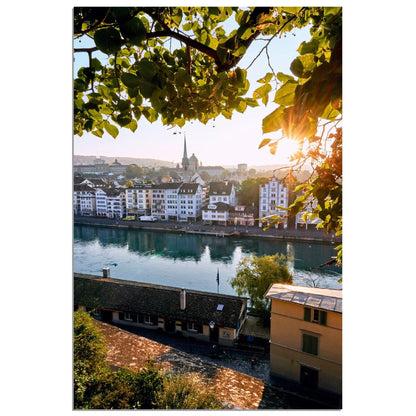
228, 143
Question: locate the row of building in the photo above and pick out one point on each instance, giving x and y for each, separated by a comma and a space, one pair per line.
214, 203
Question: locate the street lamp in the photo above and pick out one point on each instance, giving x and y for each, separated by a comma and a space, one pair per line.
212, 325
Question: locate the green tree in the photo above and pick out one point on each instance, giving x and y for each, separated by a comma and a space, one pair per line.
134, 171
254, 276
89, 354
89, 346
249, 191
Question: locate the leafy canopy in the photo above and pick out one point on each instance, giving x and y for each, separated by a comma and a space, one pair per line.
178, 64
254, 276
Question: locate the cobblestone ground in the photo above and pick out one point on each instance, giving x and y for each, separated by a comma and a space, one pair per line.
236, 388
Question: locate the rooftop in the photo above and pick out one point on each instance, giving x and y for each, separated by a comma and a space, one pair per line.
163, 301
314, 297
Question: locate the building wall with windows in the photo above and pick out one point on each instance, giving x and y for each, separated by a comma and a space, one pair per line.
139, 200
271, 196
189, 202
306, 335
216, 213
84, 200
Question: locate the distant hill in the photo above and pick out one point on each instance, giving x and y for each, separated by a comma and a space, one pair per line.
89, 160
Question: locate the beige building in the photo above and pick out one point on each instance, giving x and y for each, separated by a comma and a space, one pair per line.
306, 335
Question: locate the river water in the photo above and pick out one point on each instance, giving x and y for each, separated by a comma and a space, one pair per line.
192, 261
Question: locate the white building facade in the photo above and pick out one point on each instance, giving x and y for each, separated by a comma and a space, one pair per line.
189, 202
216, 213
222, 192
84, 200
273, 195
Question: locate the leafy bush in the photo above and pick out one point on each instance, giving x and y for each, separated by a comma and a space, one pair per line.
183, 392
97, 387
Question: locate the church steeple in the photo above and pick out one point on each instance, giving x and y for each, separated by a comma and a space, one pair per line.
185, 160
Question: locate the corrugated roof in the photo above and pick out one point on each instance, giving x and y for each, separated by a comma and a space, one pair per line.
313, 297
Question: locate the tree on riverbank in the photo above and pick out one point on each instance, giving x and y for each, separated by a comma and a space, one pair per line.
177, 64
255, 275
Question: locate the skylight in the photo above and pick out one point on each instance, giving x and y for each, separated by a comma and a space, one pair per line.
219, 307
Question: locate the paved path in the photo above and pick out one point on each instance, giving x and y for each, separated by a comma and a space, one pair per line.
235, 388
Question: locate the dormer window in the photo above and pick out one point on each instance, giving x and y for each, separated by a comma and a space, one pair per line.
314, 315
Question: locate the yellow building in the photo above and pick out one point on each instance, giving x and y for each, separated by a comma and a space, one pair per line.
306, 335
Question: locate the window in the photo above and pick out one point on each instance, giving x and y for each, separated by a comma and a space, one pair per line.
148, 320
310, 344
314, 315
193, 327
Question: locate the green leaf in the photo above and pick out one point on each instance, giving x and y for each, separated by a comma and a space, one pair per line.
246, 33
146, 88
263, 93
309, 47
283, 77
147, 69
329, 113
123, 120
273, 121
98, 132
123, 105
176, 16
264, 142
111, 129
132, 125
285, 95
108, 40
134, 31
266, 79
303, 65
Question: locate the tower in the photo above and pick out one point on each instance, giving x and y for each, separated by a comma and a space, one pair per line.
185, 160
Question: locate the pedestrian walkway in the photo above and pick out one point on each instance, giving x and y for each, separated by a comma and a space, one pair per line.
235, 388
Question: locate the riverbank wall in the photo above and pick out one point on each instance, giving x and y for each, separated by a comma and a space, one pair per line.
215, 231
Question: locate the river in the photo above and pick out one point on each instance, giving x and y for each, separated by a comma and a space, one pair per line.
192, 261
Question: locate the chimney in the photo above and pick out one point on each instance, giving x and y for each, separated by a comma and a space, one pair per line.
183, 299
106, 272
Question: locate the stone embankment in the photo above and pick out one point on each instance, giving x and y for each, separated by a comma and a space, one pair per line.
312, 235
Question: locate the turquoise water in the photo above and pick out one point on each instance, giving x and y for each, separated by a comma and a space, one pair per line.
192, 261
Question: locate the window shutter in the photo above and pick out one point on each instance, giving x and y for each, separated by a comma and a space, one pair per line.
322, 317
121, 316
184, 326
307, 314
310, 344
140, 319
